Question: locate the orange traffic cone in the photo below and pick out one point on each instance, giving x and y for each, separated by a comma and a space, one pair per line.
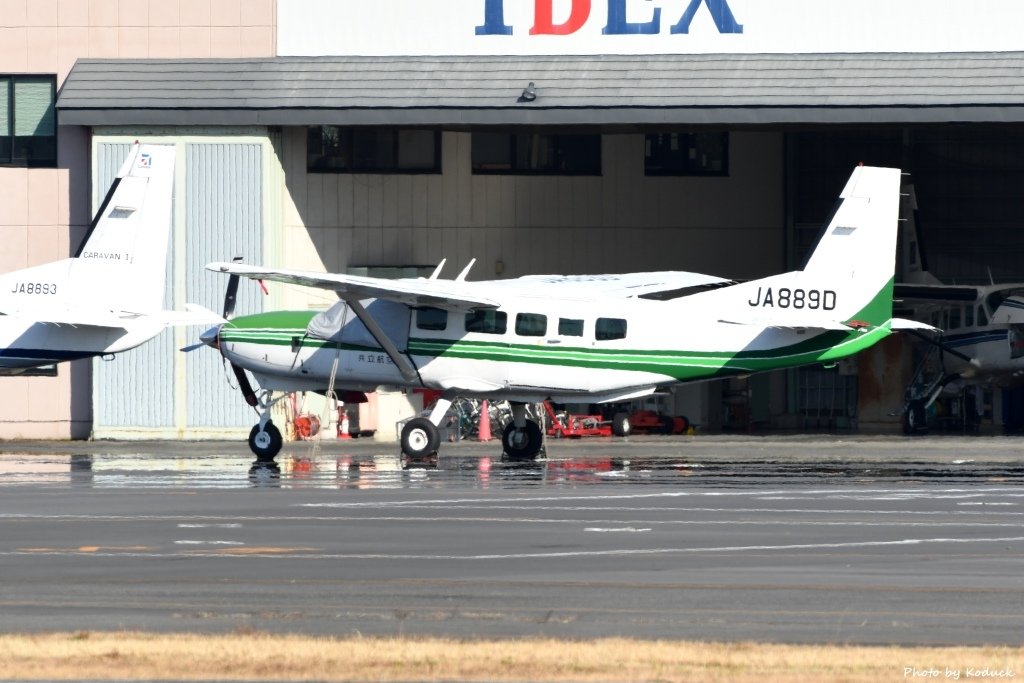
483, 431
343, 423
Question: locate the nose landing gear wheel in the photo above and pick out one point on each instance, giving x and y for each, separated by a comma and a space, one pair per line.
420, 438
265, 443
522, 443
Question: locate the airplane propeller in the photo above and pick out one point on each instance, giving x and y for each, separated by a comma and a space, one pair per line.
230, 298
211, 338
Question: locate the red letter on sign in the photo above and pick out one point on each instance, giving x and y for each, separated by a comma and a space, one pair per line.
543, 21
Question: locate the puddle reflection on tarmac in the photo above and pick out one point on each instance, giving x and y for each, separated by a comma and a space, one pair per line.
329, 471
363, 471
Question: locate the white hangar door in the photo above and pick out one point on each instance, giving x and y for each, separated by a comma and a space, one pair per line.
156, 390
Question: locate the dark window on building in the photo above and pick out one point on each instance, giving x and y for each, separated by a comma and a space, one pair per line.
28, 123
531, 324
431, 319
488, 322
610, 328
568, 327
537, 153
696, 154
335, 149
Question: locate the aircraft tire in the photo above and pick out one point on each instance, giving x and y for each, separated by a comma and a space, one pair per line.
621, 425
266, 444
420, 438
522, 443
914, 417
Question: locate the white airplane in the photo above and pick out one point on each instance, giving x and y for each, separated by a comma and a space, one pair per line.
982, 339
574, 338
108, 297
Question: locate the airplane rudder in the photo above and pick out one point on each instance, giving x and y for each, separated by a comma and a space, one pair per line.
128, 238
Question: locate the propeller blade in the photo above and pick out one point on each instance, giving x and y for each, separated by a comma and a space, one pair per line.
192, 347
230, 296
244, 385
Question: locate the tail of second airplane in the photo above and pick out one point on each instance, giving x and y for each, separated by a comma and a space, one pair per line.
119, 272
847, 281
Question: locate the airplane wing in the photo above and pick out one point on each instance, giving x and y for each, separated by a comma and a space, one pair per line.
413, 292
616, 285
910, 292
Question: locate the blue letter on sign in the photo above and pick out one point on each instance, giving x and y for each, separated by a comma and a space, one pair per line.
494, 20
720, 12
617, 23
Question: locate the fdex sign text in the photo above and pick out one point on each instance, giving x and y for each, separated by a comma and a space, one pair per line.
618, 22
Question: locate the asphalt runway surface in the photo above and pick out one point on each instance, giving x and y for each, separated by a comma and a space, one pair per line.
803, 540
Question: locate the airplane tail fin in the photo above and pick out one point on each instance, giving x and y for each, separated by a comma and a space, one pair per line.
847, 282
856, 255
120, 267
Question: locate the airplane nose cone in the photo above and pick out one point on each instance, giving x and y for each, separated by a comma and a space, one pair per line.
211, 337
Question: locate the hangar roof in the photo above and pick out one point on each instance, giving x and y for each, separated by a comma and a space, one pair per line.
629, 90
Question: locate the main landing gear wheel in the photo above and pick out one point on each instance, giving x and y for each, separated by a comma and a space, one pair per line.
420, 438
524, 442
621, 425
914, 417
265, 443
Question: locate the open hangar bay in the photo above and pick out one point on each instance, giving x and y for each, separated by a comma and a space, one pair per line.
803, 540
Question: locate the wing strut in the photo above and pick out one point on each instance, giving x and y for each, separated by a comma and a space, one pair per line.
939, 343
409, 373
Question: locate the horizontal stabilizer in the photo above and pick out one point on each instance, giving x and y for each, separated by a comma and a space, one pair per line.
792, 323
905, 324
79, 317
194, 314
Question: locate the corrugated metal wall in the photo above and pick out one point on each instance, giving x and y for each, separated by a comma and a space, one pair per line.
155, 390
135, 388
223, 219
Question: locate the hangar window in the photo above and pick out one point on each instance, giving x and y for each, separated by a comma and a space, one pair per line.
610, 328
488, 321
531, 324
537, 153
28, 126
686, 154
335, 149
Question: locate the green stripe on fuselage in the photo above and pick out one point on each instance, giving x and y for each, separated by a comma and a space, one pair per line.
280, 328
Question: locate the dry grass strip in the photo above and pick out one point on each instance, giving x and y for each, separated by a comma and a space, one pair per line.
128, 656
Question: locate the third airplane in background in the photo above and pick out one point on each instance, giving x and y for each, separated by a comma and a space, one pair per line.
982, 340
576, 338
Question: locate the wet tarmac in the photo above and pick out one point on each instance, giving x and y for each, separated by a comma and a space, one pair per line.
786, 539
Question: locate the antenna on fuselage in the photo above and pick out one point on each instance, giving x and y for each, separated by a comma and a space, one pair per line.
437, 271
465, 271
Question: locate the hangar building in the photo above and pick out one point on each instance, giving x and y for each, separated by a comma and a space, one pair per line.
569, 136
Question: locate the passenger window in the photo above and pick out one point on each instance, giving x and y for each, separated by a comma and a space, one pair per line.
969, 316
431, 319
568, 327
954, 319
487, 321
610, 328
531, 324
982, 318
